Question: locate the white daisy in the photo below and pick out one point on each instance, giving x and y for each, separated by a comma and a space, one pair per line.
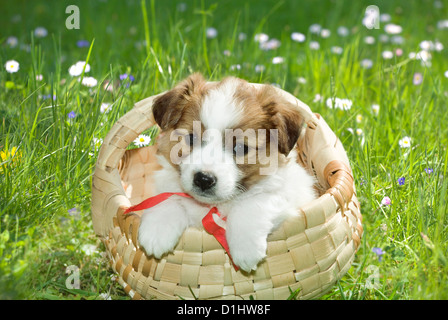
105, 107
438, 46
336, 50
242, 36
106, 296
405, 142
385, 17
359, 118
387, 54
234, 67
329, 102
426, 45
366, 63
314, 45
89, 82
76, 69
301, 80
343, 31
325, 33
376, 108
12, 66
442, 24
344, 104
424, 55
318, 98
270, 45
40, 32
369, 40
182, 7
391, 28
315, 28
298, 37
211, 33
446, 74
278, 60
397, 40
12, 41
89, 249
142, 140
384, 38
260, 68
261, 37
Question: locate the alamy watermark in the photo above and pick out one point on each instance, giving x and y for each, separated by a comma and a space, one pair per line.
371, 18
72, 21
373, 280
73, 280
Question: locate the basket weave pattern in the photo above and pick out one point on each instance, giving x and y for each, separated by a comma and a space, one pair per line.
309, 252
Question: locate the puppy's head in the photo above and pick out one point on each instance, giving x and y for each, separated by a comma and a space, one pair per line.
221, 136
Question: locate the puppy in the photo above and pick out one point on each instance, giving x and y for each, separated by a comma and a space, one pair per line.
229, 145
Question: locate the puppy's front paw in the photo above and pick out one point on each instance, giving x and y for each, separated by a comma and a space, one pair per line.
160, 230
248, 254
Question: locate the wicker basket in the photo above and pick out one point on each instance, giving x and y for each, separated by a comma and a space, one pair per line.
309, 252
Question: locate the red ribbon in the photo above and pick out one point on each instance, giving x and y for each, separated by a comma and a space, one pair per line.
208, 222
151, 202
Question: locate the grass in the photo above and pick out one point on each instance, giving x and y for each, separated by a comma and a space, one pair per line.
48, 157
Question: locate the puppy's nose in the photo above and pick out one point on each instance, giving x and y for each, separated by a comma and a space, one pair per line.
204, 180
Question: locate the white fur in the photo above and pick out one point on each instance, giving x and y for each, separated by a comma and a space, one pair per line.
251, 215
211, 156
218, 110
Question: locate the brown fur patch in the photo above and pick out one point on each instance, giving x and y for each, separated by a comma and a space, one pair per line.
177, 109
263, 108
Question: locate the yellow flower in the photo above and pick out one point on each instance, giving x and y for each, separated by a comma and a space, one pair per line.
8, 155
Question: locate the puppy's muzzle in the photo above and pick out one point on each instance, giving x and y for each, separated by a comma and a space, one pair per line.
204, 180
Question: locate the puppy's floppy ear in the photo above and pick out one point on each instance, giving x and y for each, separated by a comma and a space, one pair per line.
167, 109
290, 125
285, 118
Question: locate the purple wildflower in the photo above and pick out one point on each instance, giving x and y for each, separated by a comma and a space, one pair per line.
82, 43
401, 181
379, 252
75, 213
125, 76
49, 97
71, 114
429, 170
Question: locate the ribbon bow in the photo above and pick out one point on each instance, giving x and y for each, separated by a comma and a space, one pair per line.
208, 221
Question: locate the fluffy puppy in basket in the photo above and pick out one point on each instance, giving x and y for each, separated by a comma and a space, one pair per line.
229, 145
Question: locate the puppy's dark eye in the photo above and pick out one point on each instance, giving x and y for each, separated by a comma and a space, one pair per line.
240, 149
191, 139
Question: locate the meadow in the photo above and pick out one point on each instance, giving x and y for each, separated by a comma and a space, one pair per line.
383, 91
